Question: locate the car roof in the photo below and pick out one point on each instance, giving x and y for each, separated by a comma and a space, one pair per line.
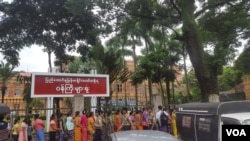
216, 108
239, 116
142, 135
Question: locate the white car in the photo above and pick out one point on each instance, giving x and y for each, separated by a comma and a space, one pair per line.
141, 135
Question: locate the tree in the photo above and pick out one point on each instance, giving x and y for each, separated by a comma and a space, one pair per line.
242, 62
78, 66
195, 32
56, 25
119, 43
6, 73
230, 78
195, 93
25, 78
109, 61
157, 67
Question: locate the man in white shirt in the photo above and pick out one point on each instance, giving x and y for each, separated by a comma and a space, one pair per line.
98, 126
158, 119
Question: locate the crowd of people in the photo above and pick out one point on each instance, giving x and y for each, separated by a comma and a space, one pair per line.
94, 126
98, 125
22, 129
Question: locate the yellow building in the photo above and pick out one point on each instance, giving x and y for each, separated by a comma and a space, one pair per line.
14, 94
126, 90
246, 85
122, 92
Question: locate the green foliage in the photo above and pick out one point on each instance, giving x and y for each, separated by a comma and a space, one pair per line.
6, 72
210, 33
242, 63
229, 78
56, 25
219, 30
78, 66
194, 87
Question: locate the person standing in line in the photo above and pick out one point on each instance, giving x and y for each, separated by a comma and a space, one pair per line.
109, 124
53, 127
77, 126
138, 119
29, 130
98, 126
126, 122
169, 123
151, 119
145, 119
118, 122
91, 126
132, 118
8, 120
70, 126
23, 136
15, 129
103, 115
161, 126
157, 116
84, 121
61, 127
174, 126
38, 125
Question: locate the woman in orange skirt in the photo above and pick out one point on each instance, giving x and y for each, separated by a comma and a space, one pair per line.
138, 119
78, 126
118, 121
91, 126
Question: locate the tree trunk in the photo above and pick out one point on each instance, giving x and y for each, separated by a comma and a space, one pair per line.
3, 88
168, 93
208, 83
150, 91
125, 94
135, 65
49, 61
163, 95
185, 74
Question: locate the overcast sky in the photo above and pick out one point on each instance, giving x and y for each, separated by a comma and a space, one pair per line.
32, 59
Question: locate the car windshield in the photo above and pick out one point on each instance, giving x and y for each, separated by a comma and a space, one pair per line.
246, 122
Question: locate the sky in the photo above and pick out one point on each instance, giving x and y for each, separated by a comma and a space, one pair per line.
32, 59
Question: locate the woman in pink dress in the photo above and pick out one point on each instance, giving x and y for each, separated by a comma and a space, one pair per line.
84, 121
23, 135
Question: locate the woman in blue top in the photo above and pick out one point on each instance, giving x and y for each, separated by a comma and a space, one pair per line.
70, 127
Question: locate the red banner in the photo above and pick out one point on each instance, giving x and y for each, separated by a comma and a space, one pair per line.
68, 85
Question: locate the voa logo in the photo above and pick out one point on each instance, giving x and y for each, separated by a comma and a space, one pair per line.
236, 132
